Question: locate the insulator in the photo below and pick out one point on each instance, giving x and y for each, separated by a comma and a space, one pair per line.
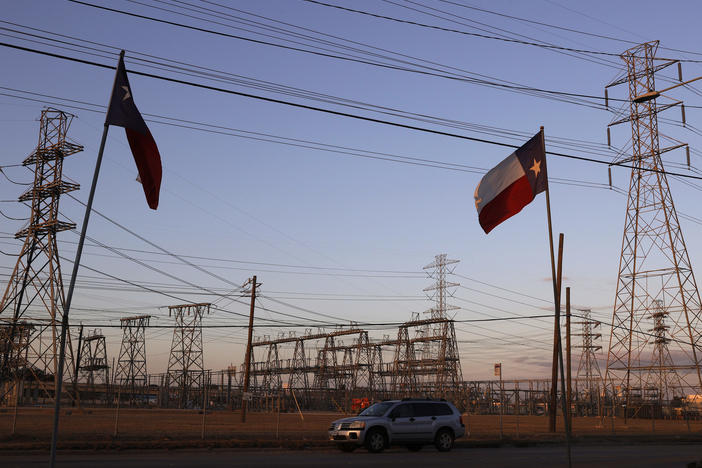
682, 109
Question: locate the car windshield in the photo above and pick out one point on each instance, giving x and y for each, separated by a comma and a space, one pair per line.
378, 409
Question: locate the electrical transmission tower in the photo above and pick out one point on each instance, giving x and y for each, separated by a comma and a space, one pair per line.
33, 302
654, 270
91, 363
131, 365
435, 366
660, 383
588, 366
185, 364
439, 291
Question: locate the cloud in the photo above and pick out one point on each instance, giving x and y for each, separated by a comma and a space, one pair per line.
563, 279
532, 361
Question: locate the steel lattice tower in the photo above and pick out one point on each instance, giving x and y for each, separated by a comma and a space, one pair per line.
438, 367
92, 367
34, 292
660, 382
131, 365
439, 291
588, 366
185, 364
654, 266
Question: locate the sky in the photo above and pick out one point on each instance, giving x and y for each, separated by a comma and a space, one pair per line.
329, 211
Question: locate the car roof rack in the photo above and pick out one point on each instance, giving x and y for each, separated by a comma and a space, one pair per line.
423, 399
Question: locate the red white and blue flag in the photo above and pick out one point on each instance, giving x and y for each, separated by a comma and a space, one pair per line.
124, 113
512, 184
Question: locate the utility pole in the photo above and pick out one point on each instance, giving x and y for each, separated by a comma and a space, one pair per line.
569, 390
247, 365
502, 400
76, 367
554, 378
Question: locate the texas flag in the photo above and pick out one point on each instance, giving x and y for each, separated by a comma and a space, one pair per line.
512, 184
124, 113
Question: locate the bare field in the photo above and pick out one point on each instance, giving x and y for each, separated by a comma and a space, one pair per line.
98, 425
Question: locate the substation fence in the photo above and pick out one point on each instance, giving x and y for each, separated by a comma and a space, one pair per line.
223, 390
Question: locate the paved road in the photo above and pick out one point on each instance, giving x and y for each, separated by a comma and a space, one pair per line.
639, 456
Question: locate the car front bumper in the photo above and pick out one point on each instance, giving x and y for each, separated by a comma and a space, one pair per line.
347, 436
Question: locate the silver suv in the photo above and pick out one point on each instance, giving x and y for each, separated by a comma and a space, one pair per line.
409, 422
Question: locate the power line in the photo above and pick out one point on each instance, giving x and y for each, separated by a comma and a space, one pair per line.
325, 146
506, 85
169, 274
504, 15
506, 33
484, 36
263, 84
226, 260
333, 112
223, 130
334, 325
502, 289
13, 181
340, 38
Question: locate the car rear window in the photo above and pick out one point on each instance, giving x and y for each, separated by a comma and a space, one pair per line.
442, 409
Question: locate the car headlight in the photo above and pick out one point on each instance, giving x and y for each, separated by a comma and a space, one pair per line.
357, 425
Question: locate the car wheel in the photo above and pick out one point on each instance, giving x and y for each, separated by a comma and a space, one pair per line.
375, 441
346, 447
444, 440
414, 448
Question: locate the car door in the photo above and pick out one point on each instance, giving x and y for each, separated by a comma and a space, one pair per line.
402, 423
444, 416
424, 417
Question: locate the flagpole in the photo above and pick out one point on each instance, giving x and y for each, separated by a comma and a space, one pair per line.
71, 287
554, 369
557, 304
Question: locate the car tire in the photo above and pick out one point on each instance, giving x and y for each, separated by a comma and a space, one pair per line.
376, 441
414, 447
346, 447
443, 440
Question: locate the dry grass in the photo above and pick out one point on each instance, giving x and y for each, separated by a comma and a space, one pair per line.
95, 425
488, 427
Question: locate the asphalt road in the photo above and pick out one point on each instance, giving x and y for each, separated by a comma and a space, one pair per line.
639, 456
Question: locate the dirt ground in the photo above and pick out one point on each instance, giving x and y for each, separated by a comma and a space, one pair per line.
97, 426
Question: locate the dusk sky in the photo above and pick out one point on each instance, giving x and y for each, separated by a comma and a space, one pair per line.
332, 213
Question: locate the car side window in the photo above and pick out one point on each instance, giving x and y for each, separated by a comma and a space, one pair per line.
424, 409
443, 410
402, 411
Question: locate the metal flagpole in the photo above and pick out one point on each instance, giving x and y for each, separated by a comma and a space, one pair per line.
556, 296
554, 369
71, 287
